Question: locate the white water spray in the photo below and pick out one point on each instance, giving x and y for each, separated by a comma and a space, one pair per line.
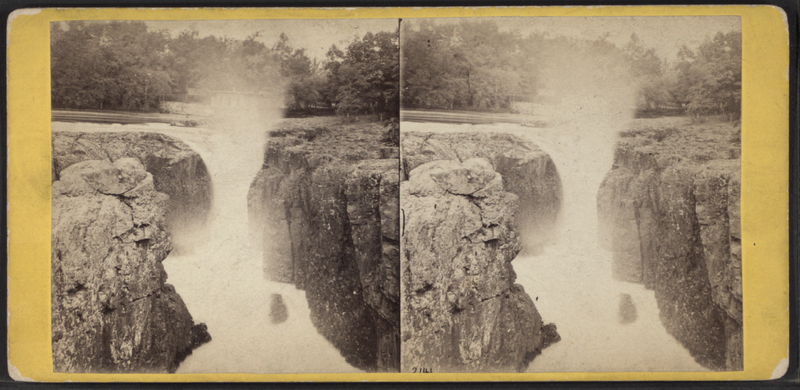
222, 282
571, 281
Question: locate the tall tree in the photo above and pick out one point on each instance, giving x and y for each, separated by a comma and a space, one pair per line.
464, 65
649, 72
710, 77
366, 75
116, 65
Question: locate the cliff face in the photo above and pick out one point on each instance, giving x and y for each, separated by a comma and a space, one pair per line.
527, 172
325, 209
111, 308
177, 171
669, 211
462, 311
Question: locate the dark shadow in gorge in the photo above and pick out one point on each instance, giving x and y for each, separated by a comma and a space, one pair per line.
669, 212
325, 208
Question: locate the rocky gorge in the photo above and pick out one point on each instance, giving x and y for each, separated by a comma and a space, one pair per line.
669, 212
112, 310
462, 311
325, 210
470, 201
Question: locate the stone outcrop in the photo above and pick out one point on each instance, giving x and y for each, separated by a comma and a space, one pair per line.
177, 171
462, 311
111, 308
325, 209
527, 172
627, 310
277, 309
669, 211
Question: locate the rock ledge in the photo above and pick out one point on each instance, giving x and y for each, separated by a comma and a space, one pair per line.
462, 311
111, 308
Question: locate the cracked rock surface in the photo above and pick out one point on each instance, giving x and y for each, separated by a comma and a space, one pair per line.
462, 311
527, 172
176, 169
111, 308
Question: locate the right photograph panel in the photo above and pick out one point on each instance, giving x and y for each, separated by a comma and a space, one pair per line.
570, 194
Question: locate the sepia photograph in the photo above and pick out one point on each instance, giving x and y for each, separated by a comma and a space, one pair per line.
225, 196
405, 194
570, 194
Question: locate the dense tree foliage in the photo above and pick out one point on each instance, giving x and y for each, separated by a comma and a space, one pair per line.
709, 79
468, 65
366, 76
117, 65
649, 72
125, 66
476, 65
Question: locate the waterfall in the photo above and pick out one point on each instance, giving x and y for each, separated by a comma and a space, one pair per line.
222, 281
571, 281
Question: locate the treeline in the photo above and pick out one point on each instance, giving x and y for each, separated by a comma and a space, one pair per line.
122, 65
473, 65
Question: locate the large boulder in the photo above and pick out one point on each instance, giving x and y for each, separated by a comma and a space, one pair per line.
112, 310
669, 212
527, 172
325, 209
177, 171
462, 311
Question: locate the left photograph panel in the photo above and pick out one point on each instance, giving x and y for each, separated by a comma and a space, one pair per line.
225, 196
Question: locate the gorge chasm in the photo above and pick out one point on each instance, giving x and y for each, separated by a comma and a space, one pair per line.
669, 212
325, 209
405, 262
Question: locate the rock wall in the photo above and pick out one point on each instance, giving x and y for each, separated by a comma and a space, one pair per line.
527, 172
325, 209
462, 311
669, 211
177, 171
111, 308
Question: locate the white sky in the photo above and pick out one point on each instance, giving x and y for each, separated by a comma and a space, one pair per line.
314, 35
664, 33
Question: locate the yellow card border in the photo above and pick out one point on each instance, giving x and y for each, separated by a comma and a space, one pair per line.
764, 195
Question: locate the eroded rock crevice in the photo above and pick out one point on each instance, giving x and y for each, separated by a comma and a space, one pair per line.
669, 212
112, 310
462, 311
324, 207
